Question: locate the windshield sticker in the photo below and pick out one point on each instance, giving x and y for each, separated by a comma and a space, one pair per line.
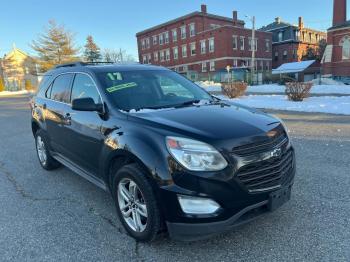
120, 87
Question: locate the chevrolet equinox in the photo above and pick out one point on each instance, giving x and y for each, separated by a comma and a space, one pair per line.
173, 157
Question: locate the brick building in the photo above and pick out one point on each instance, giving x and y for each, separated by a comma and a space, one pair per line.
336, 60
291, 42
201, 42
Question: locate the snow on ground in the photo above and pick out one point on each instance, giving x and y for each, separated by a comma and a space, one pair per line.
13, 93
324, 104
335, 88
316, 89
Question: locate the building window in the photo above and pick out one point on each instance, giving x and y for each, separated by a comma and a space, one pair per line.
280, 36
192, 29
166, 37
211, 45
285, 54
204, 66
261, 65
174, 32
167, 55
203, 47
345, 43
276, 56
234, 42
143, 44
154, 38
267, 66
147, 43
161, 54
212, 65
183, 32
155, 56
176, 52
251, 42
241, 42
235, 63
184, 51
144, 59
149, 58
193, 49
267, 45
185, 68
161, 39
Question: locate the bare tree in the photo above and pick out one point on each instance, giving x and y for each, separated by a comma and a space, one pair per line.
117, 56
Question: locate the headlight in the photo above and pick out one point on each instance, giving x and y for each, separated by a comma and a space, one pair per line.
195, 155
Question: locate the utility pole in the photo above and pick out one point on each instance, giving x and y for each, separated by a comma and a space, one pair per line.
253, 48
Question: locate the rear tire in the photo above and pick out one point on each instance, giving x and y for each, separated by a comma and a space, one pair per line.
44, 156
136, 203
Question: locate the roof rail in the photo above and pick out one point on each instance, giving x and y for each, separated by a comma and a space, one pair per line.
79, 63
70, 64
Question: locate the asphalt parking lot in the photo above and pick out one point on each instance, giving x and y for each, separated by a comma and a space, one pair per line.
58, 216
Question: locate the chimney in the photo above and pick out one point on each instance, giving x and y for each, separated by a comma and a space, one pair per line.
278, 20
339, 12
234, 16
204, 9
301, 22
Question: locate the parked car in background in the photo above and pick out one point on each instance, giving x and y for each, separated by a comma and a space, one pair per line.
172, 156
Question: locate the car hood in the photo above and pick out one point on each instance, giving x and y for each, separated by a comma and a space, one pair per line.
214, 121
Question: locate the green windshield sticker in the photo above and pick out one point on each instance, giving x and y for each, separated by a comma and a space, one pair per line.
120, 87
111, 77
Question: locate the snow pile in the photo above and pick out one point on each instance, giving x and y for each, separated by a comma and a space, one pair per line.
13, 93
315, 90
326, 81
324, 104
210, 86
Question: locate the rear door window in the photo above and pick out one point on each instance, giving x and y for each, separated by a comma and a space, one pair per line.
60, 90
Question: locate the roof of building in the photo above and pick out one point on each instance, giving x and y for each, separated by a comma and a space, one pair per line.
294, 67
197, 13
346, 24
276, 25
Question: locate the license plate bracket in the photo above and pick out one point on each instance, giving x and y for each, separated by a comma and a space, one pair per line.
278, 198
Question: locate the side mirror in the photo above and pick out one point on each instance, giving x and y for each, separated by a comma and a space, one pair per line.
86, 104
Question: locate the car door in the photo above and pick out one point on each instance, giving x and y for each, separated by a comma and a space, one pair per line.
82, 131
57, 95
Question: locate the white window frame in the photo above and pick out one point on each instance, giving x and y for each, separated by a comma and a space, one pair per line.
192, 29
235, 63
193, 48
267, 45
167, 54
149, 58
155, 56
234, 42
204, 66
161, 55
143, 44
345, 44
166, 37
175, 52
154, 40
242, 43
148, 44
280, 36
211, 45
161, 39
174, 34
212, 65
250, 44
144, 59
183, 32
184, 50
203, 46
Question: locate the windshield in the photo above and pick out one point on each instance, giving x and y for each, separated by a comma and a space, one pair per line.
150, 89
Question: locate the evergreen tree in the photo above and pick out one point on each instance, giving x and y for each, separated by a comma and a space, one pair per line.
92, 51
55, 46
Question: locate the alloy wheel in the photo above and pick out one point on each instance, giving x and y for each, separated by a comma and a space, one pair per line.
132, 205
40, 147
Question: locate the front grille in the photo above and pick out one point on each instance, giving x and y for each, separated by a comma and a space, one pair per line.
267, 174
262, 146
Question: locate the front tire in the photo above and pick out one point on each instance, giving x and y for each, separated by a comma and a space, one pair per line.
44, 156
136, 203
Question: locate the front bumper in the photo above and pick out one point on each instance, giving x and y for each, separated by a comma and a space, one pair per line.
198, 231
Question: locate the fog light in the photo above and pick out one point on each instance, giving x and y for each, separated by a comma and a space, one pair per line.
197, 205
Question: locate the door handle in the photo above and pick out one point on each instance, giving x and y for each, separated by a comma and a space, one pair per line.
67, 119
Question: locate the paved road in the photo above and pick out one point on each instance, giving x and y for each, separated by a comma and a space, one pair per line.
51, 216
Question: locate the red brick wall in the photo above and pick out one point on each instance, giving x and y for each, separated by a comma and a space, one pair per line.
222, 38
338, 66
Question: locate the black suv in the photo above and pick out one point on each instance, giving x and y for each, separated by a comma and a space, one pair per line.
173, 156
